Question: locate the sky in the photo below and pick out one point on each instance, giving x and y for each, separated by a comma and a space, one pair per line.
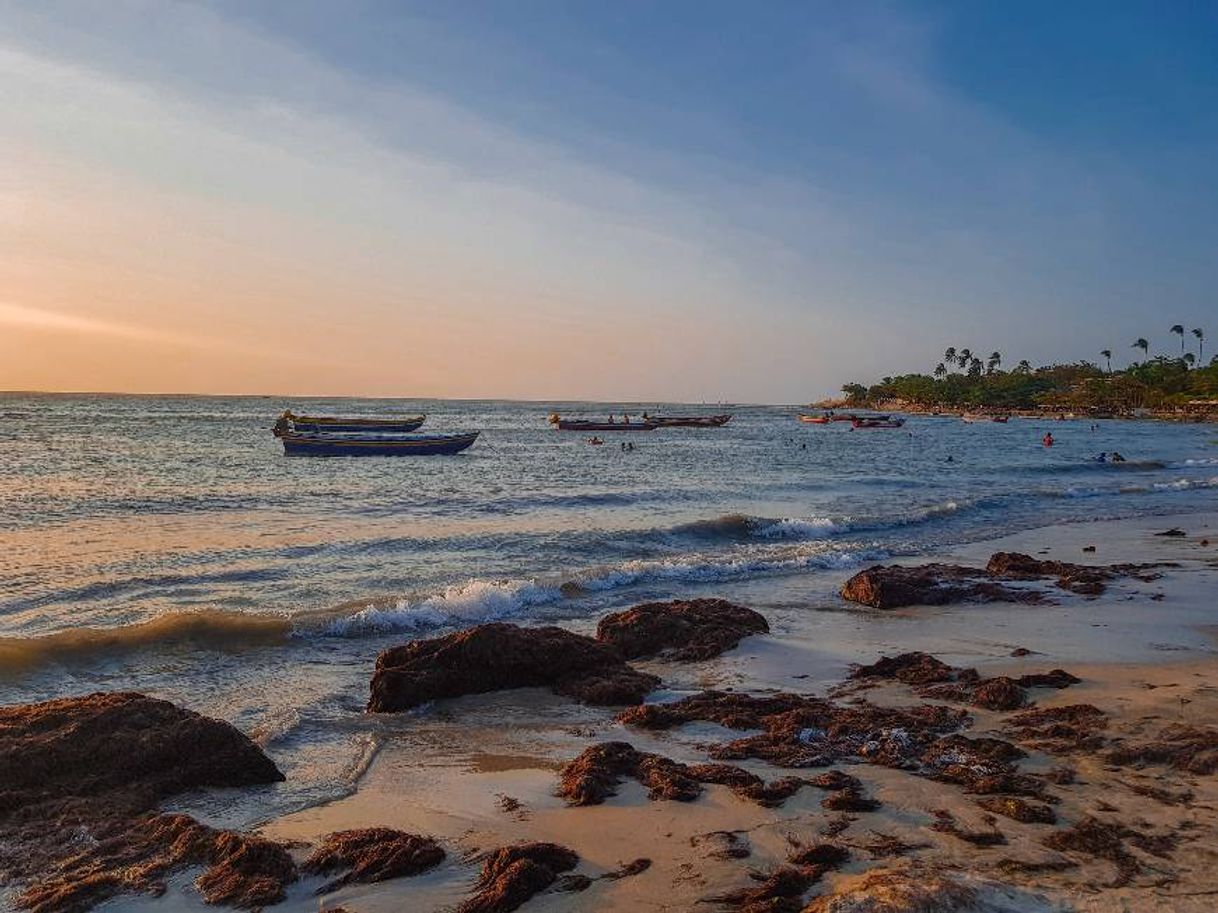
694, 201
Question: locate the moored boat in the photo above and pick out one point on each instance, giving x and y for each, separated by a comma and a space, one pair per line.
564, 424
373, 444
882, 421
978, 417
290, 422
815, 419
687, 421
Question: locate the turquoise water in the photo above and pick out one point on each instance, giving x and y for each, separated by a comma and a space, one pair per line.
207, 567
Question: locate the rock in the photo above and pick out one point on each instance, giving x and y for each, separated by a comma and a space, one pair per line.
498, 656
1000, 693
910, 668
983, 766
115, 751
513, 874
683, 630
1018, 809
1077, 578
910, 890
115, 856
1189, 748
371, 854
594, 776
1055, 678
800, 731
782, 890
79, 778
1059, 730
895, 586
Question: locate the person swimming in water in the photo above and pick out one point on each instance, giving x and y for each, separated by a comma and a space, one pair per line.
1117, 458
1047, 440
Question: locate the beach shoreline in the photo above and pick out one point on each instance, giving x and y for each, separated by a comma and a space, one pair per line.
481, 771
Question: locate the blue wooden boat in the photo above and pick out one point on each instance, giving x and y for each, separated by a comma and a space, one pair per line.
289, 422
366, 444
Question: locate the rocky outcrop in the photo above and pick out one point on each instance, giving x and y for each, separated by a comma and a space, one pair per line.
512, 874
800, 731
896, 586
79, 780
498, 656
595, 775
371, 854
684, 630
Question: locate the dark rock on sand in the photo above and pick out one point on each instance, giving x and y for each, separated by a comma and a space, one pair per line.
1084, 579
983, 766
79, 778
595, 775
1059, 730
781, 890
912, 889
684, 630
896, 586
513, 874
498, 656
911, 668
1018, 809
371, 854
1189, 748
800, 731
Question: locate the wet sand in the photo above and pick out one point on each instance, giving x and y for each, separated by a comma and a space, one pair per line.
480, 772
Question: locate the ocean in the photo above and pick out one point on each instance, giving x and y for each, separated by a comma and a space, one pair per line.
165, 544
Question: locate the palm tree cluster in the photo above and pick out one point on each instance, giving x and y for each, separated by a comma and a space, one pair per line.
964, 379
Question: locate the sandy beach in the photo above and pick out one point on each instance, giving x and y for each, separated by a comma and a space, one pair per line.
481, 771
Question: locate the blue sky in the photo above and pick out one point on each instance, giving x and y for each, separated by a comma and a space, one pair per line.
652, 200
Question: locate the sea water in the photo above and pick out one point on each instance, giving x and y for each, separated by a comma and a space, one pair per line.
165, 544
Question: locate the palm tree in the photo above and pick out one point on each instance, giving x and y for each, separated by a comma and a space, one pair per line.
993, 362
1189, 358
1200, 334
965, 356
1142, 344
940, 371
949, 355
1178, 329
1107, 353
974, 367
1024, 366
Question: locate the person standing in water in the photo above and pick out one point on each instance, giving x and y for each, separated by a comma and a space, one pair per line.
1047, 440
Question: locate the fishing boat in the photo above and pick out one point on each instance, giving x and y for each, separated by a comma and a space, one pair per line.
880, 421
330, 443
979, 417
815, 419
687, 421
563, 424
310, 423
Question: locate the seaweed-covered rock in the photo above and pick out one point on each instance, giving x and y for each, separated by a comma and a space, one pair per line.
1059, 730
512, 874
914, 668
594, 776
498, 656
79, 778
1083, 579
684, 630
371, 854
895, 586
1190, 748
781, 890
1018, 809
908, 890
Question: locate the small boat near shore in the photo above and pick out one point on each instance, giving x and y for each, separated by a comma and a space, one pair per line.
981, 417
290, 422
564, 424
687, 421
879, 421
815, 419
374, 444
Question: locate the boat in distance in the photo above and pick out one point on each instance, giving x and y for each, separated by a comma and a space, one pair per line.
289, 421
566, 424
831, 417
373, 444
878, 422
688, 421
977, 417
